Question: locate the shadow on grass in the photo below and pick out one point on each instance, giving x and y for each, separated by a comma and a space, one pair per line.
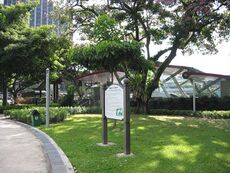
160, 145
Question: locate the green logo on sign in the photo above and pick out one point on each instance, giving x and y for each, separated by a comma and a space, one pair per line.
119, 112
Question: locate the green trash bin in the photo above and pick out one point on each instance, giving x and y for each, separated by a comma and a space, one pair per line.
36, 118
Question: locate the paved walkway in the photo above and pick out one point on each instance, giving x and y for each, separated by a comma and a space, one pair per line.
20, 150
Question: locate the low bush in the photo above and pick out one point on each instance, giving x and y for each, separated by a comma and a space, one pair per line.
202, 103
24, 115
68, 100
3, 108
57, 114
23, 106
203, 114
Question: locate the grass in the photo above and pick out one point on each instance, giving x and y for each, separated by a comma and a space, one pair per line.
160, 145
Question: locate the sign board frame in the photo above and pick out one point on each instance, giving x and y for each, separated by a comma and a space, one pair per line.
126, 119
114, 102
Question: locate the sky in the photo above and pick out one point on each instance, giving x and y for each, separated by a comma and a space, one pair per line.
217, 64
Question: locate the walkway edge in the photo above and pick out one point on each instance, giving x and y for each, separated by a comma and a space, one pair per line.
58, 160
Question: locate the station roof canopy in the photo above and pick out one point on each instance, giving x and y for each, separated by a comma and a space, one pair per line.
103, 76
200, 76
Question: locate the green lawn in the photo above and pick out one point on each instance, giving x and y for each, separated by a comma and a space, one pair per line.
160, 145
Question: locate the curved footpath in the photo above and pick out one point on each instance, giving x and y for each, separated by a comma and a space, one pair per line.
24, 149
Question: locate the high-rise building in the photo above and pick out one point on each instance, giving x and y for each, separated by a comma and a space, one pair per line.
10, 2
41, 15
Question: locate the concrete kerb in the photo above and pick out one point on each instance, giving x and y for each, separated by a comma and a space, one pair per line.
58, 161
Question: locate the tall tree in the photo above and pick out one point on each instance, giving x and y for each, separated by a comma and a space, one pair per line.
25, 52
185, 25
12, 19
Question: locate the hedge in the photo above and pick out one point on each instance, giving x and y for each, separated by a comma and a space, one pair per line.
57, 114
202, 103
189, 113
23, 106
3, 108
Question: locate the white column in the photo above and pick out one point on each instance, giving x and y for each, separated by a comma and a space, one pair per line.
194, 95
47, 96
41, 3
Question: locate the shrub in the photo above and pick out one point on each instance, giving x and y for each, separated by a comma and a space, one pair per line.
24, 115
202, 103
56, 114
203, 114
68, 100
23, 106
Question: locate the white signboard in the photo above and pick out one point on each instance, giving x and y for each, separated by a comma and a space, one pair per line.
114, 103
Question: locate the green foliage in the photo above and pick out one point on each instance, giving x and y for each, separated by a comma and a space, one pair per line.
71, 89
202, 103
159, 144
56, 114
23, 106
179, 25
26, 52
105, 28
107, 55
14, 15
38, 43
215, 114
60, 60
24, 115
68, 100
3, 108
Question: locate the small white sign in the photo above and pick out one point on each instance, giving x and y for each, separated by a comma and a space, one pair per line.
114, 103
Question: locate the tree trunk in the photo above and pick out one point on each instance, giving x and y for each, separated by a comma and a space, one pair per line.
137, 110
142, 107
114, 124
40, 93
55, 92
15, 97
4, 90
147, 46
145, 107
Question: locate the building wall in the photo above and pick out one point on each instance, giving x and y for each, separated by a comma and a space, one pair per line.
225, 88
41, 15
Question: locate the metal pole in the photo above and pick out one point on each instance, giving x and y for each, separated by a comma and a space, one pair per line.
104, 118
47, 96
4, 90
126, 98
194, 95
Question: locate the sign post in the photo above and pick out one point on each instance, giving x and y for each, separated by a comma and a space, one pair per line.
126, 98
47, 96
104, 118
194, 95
105, 142
115, 103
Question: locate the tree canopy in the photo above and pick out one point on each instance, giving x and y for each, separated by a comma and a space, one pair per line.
186, 25
26, 52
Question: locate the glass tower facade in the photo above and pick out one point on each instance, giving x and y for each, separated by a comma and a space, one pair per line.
41, 15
